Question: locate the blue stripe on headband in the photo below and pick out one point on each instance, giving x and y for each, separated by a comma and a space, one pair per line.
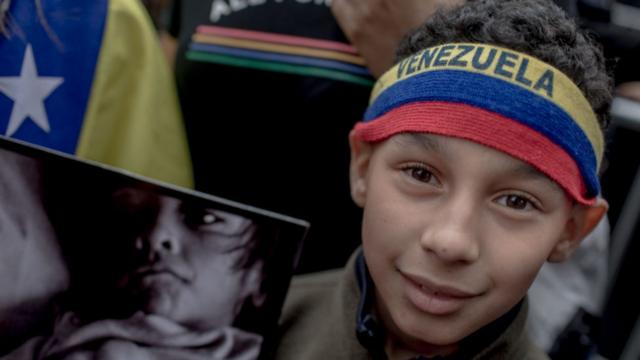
500, 97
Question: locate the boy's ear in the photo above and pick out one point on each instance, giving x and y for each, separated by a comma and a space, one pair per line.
360, 156
253, 285
583, 220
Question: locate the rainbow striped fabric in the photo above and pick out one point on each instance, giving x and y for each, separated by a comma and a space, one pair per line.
278, 52
499, 98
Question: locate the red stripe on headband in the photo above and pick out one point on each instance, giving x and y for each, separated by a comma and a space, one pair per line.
486, 128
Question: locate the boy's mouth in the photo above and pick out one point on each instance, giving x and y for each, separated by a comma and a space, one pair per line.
152, 273
433, 298
156, 271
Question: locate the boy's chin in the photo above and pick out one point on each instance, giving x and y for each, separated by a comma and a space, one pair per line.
162, 302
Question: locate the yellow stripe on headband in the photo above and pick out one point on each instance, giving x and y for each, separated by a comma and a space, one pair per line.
507, 65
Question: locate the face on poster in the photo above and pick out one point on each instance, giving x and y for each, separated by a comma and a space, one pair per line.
95, 257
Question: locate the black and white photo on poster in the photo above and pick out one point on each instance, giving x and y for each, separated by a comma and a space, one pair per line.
98, 263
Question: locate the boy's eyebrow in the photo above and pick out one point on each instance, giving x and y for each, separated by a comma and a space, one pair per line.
524, 170
426, 141
516, 168
527, 170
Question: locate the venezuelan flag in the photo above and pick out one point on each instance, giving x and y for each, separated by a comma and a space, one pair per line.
88, 78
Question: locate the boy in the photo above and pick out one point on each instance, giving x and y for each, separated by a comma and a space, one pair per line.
476, 162
183, 274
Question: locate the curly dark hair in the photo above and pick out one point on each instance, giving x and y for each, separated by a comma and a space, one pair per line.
535, 27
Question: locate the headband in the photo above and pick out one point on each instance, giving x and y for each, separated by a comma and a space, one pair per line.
499, 98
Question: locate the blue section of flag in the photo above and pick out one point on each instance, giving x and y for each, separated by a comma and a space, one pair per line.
69, 51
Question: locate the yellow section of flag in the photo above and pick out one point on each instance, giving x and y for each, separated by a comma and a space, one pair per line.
133, 119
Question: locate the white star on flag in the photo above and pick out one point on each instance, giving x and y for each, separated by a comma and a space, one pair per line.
28, 92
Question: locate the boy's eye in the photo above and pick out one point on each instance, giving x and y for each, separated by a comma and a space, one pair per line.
516, 202
208, 219
420, 173
196, 217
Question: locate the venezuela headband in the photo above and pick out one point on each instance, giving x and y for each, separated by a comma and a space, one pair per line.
499, 98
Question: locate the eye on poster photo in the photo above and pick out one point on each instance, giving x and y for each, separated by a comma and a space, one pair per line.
97, 263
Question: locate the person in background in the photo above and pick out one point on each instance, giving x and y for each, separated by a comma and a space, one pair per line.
264, 85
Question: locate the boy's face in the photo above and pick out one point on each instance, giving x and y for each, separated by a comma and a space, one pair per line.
186, 261
453, 233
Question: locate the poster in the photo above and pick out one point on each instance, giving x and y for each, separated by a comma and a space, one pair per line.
99, 263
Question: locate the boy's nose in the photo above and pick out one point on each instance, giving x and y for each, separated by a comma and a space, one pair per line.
160, 241
166, 244
451, 235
